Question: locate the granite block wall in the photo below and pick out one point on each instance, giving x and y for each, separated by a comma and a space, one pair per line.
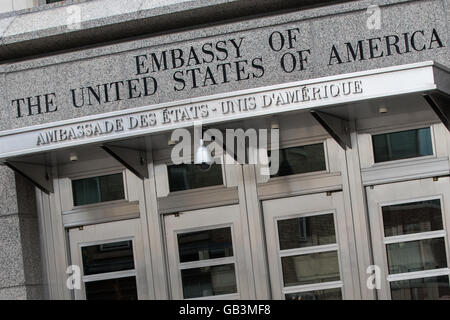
20, 256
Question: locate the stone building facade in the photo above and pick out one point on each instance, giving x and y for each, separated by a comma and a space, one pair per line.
96, 94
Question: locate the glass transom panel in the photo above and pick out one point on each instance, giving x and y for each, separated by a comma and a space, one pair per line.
402, 145
301, 159
98, 189
190, 176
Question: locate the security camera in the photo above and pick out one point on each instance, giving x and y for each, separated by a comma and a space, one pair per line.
203, 158
204, 166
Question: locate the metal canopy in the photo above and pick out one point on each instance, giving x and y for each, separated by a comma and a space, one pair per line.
306, 95
336, 127
39, 175
404, 89
132, 159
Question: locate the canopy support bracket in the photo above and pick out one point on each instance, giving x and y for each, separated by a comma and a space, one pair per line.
440, 104
39, 175
132, 159
336, 127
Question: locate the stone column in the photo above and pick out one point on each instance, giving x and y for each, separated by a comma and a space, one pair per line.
20, 254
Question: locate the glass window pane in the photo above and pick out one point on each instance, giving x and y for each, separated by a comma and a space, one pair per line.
402, 145
329, 294
98, 189
416, 255
209, 281
189, 176
208, 244
111, 187
85, 191
306, 232
301, 159
108, 257
433, 288
113, 289
406, 218
310, 268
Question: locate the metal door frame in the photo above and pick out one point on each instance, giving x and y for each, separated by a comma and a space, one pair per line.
107, 233
207, 219
302, 206
399, 193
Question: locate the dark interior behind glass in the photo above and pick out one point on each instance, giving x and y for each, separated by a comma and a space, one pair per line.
98, 189
402, 145
190, 176
302, 159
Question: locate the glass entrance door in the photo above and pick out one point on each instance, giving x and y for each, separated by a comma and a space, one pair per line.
307, 247
207, 254
409, 223
110, 257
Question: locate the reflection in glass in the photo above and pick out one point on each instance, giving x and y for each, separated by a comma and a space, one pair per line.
111, 187
416, 255
108, 257
406, 218
306, 232
189, 176
433, 288
301, 159
209, 281
113, 289
402, 145
329, 294
208, 244
310, 268
98, 189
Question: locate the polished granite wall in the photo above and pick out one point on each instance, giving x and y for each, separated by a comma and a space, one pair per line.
201, 60
20, 255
